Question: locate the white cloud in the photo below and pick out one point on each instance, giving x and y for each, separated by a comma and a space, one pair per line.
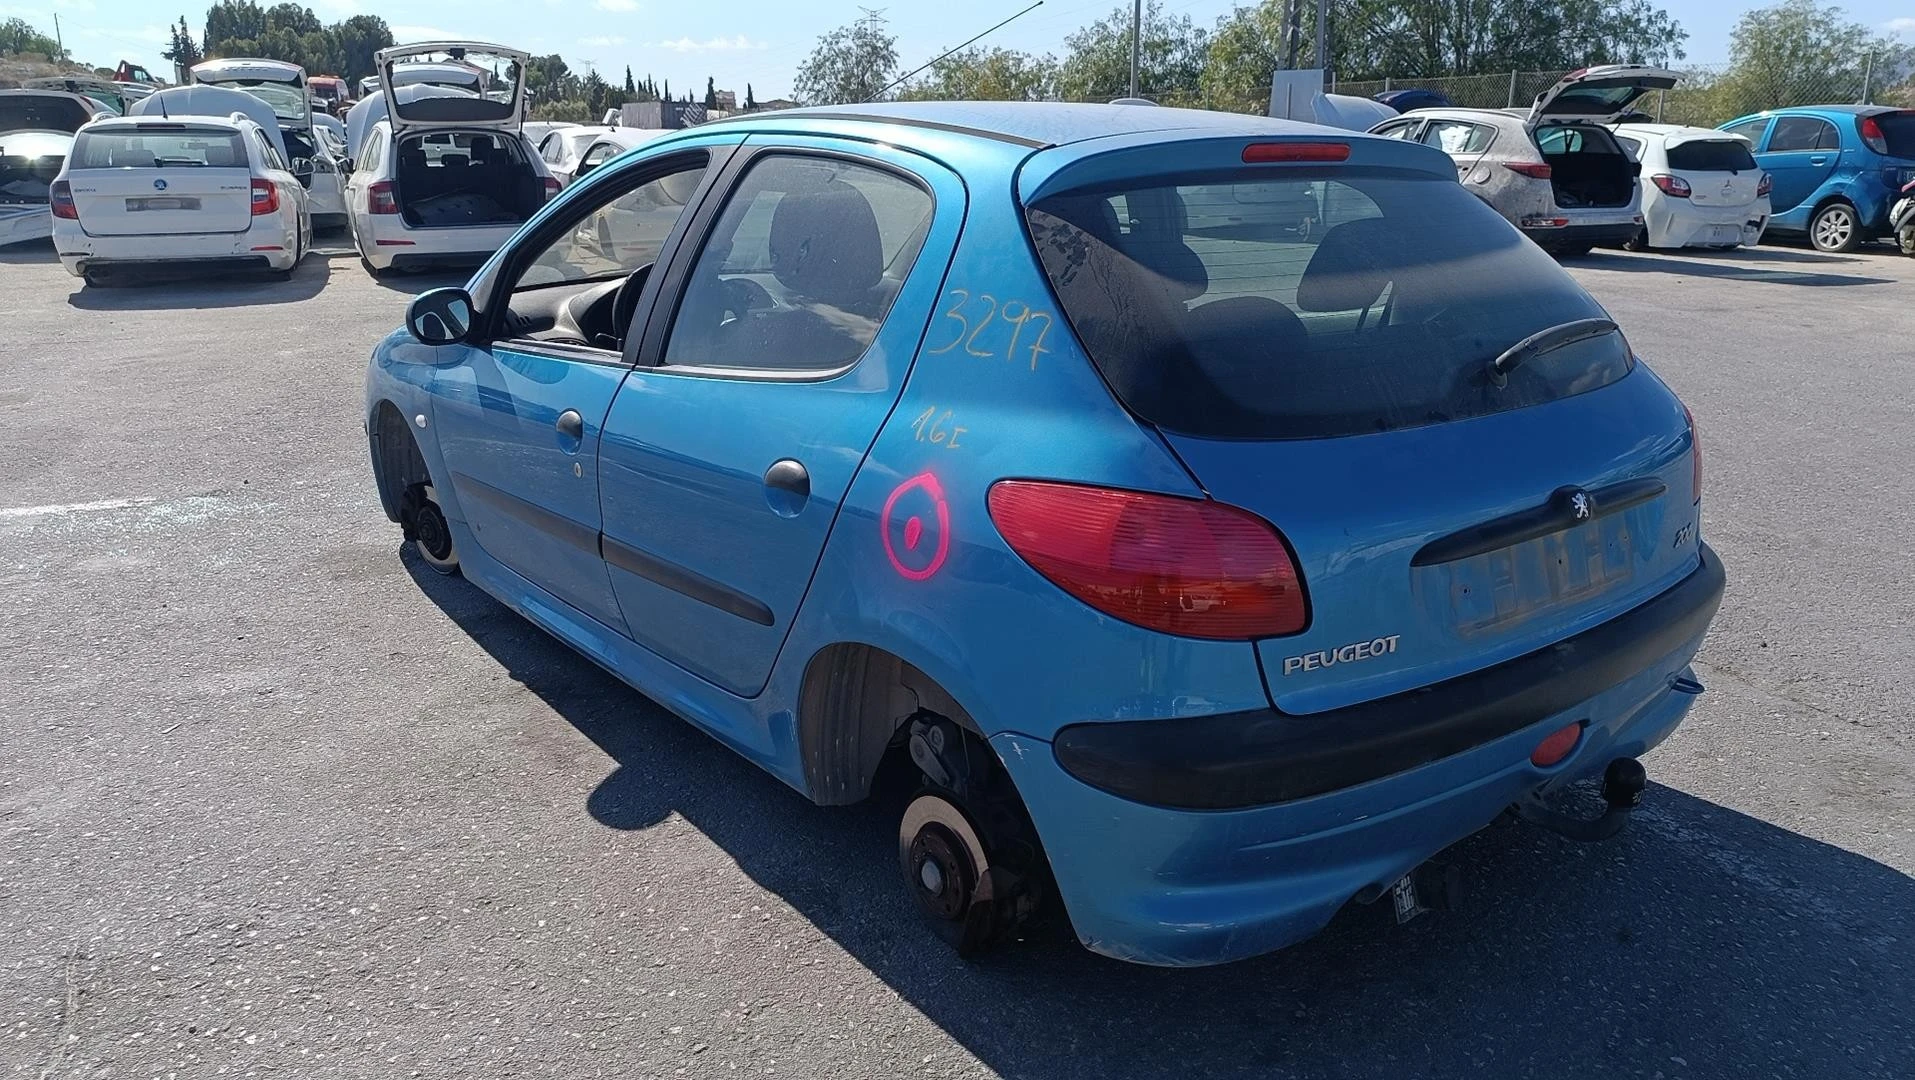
618, 5
740, 43
602, 41
1903, 25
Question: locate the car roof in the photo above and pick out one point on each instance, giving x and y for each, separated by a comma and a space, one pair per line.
1678, 132
1035, 124
1843, 110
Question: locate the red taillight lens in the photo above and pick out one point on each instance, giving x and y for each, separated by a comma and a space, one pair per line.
1872, 135
1189, 567
551, 189
1674, 186
265, 197
1533, 170
1557, 747
61, 196
380, 200
1267, 153
1695, 452
1764, 186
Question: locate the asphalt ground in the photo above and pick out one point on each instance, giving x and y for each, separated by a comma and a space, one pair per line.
276, 801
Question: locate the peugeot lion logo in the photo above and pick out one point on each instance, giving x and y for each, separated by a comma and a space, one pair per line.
1579, 503
159, 185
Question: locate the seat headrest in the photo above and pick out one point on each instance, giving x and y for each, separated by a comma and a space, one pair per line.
480, 149
1350, 267
135, 158
454, 161
220, 157
412, 155
825, 244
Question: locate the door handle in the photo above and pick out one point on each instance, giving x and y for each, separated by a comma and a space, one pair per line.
1819, 159
571, 424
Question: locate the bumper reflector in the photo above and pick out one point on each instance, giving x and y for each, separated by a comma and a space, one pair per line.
1557, 747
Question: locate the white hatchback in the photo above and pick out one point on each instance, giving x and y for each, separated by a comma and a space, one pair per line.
443, 175
205, 192
1700, 187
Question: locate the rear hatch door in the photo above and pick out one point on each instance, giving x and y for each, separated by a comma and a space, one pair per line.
1719, 170
1337, 383
161, 179
1598, 95
499, 103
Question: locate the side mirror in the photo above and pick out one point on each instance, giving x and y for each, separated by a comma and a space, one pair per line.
440, 317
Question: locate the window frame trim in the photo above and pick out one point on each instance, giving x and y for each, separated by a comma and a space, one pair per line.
651, 352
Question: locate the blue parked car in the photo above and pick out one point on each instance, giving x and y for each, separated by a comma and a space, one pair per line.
1205, 572
1837, 169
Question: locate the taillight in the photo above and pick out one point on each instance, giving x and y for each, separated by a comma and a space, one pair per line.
1872, 135
1265, 153
1695, 454
1674, 186
380, 200
61, 196
265, 197
551, 189
1533, 170
1190, 567
1764, 186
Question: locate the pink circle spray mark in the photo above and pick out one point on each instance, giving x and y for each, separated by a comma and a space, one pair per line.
914, 527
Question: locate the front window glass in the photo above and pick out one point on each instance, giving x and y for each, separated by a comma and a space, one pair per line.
621, 235
150, 147
1300, 303
1453, 137
801, 267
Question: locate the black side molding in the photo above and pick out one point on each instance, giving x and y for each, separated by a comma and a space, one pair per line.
1264, 757
1556, 515
556, 526
685, 582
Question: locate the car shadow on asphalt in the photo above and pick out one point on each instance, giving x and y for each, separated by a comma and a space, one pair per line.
1701, 942
164, 290
29, 253
413, 284
1776, 268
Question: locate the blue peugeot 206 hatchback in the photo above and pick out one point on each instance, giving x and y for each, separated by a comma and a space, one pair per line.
1216, 517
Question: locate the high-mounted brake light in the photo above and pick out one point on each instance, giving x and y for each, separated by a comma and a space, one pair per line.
1672, 186
380, 199
1190, 567
1270, 153
1764, 186
265, 197
1535, 170
61, 196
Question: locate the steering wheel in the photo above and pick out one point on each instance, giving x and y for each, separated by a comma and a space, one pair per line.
626, 303
744, 296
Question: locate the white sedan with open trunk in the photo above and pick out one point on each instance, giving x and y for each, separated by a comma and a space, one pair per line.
203, 192
445, 176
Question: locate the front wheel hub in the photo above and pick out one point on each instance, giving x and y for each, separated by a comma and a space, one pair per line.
943, 861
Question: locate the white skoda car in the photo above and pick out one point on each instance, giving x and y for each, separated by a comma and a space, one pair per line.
204, 192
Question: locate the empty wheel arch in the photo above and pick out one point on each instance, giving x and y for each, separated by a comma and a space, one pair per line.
853, 709
396, 461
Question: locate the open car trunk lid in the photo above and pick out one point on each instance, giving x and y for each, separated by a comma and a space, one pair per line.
499, 104
161, 179
1599, 95
282, 86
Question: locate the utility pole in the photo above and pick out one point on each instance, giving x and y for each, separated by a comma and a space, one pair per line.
1323, 34
1292, 32
1136, 41
58, 42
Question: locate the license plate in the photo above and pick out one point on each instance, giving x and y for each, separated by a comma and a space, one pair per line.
168, 203
1727, 234
1403, 898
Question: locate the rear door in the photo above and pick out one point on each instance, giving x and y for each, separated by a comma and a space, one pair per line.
159, 179
1801, 154
730, 448
1463, 141
1339, 388
1598, 95
500, 104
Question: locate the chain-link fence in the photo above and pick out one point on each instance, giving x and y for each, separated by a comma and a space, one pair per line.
1709, 94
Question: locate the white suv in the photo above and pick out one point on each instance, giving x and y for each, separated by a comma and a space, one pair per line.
202, 191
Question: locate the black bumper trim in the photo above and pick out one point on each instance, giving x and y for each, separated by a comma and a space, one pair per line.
1263, 757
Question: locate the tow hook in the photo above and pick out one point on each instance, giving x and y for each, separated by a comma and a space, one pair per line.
1622, 786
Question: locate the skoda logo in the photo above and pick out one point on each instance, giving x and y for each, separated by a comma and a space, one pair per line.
159, 185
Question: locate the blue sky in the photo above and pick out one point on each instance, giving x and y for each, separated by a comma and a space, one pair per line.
735, 41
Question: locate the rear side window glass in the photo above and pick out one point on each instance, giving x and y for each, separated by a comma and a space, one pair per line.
1711, 155
164, 148
1633, 146
1453, 137
1899, 129
800, 269
1752, 130
1803, 133
1311, 303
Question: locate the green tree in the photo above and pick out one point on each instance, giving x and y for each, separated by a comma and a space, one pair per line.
183, 50
750, 101
18, 36
711, 93
851, 64
1096, 64
980, 74
1800, 52
1426, 38
359, 39
631, 88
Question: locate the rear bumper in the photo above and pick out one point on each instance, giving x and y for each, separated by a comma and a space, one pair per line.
1678, 226
132, 267
1248, 832
1608, 232
263, 246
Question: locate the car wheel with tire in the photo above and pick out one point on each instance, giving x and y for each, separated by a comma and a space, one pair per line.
426, 526
1638, 242
1835, 229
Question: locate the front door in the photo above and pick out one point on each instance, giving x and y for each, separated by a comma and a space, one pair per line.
1802, 152
730, 447
519, 418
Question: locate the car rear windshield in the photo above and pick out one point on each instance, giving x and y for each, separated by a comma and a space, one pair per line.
1311, 303
1899, 129
1711, 155
152, 149
28, 112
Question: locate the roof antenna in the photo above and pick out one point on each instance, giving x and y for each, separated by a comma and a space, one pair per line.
162, 104
907, 75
